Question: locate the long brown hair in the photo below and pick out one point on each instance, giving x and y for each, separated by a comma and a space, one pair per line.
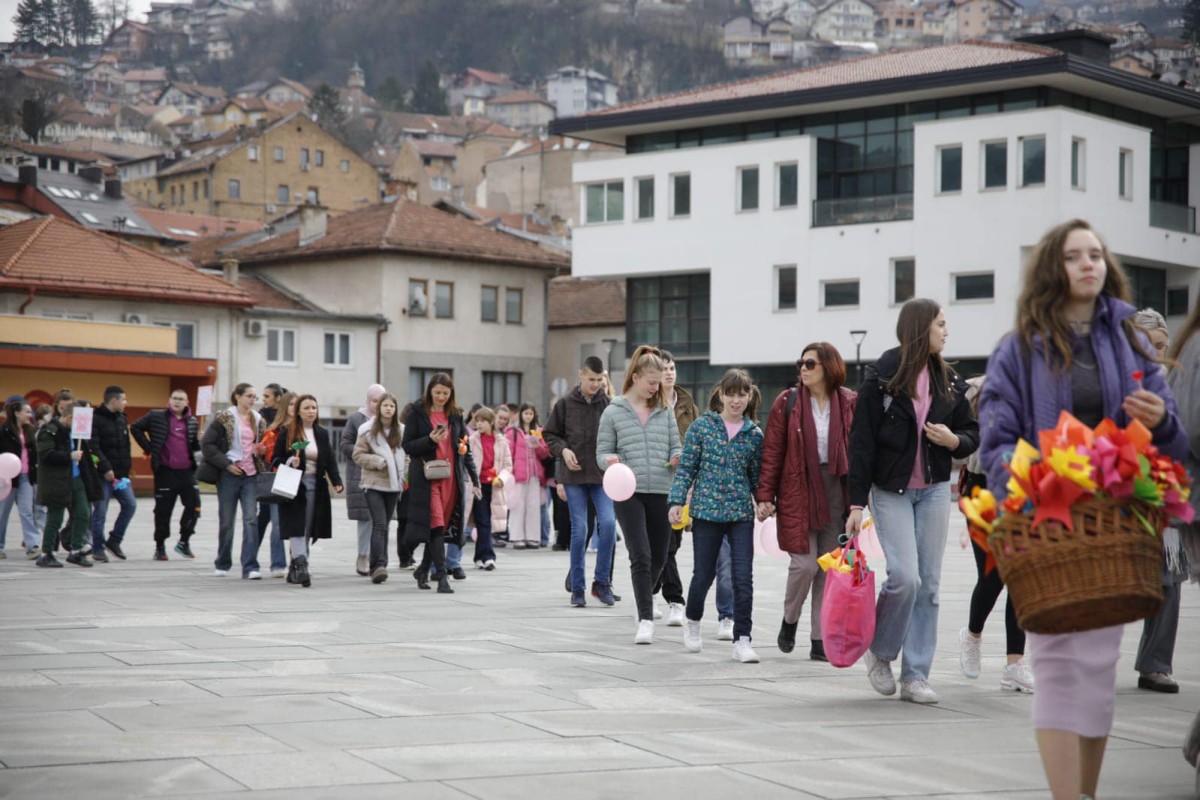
10, 418
295, 427
1186, 332
1041, 304
391, 434
282, 417
645, 359
737, 381
441, 379
912, 329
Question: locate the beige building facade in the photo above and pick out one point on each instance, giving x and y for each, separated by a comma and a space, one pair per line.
541, 173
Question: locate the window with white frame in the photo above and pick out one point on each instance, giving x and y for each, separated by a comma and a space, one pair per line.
1177, 301
785, 287
747, 189
279, 154
281, 346
514, 306
681, 195
787, 179
344, 165
949, 167
839, 294
320, 154
605, 201
974, 286
439, 183
1033, 160
904, 280
501, 387
443, 300
995, 165
252, 152
1125, 174
489, 304
235, 189
418, 298
1078, 164
644, 197
282, 193
338, 347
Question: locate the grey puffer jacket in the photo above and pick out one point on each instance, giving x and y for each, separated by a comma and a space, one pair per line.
646, 449
356, 501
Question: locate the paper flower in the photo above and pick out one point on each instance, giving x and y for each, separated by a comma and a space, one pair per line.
462, 446
1137, 377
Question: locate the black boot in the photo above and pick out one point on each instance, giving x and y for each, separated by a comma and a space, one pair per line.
422, 578
444, 585
787, 636
293, 575
817, 652
302, 576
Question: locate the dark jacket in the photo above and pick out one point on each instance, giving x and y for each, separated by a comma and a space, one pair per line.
292, 512
10, 442
573, 425
54, 447
420, 447
356, 501
151, 431
883, 439
110, 441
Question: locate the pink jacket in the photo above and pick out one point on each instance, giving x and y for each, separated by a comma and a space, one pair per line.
527, 460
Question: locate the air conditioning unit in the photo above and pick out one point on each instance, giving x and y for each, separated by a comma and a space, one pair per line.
270, 208
255, 327
133, 319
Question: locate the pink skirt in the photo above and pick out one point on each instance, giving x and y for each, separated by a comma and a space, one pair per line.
1076, 679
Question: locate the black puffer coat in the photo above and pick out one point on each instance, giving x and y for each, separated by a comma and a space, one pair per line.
110, 441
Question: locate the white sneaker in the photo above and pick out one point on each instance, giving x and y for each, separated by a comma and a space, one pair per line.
743, 652
879, 673
220, 573
969, 652
279, 572
725, 630
691, 636
916, 690
657, 612
645, 632
674, 615
254, 575
1018, 677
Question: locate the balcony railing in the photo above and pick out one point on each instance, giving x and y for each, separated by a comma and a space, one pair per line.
1172, 217
861, 210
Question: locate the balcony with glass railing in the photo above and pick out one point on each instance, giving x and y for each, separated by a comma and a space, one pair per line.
1172, 217
862, 210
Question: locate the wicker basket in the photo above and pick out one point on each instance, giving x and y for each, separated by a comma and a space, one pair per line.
1107, 571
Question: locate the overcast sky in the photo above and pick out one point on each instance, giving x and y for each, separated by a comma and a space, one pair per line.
9, 7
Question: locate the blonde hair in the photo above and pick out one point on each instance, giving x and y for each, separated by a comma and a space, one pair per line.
645, 359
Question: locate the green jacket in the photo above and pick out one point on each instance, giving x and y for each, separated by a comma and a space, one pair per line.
644, 449
723, 472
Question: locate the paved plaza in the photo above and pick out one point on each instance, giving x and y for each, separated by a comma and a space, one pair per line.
145, 679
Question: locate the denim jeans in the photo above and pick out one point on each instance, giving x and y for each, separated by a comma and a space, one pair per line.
128, 505
578, 495
546, 505
268, 514
709, 540
912, 532
725, 607
484, 549
21, 496
232, 490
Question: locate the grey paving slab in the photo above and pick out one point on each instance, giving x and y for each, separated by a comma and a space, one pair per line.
265, 685
448, 729
69, 746
424, 790
65, 698
419, 704
301, 770
223, 711
213, 656
117, 781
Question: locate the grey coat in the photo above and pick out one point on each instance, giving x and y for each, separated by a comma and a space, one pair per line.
1184, 381
356, 501
644, 449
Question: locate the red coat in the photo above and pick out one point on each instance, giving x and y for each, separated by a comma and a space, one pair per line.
784, 477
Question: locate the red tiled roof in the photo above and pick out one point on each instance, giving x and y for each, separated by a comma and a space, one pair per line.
434, 149
488, 77
580, 302
405, 227
295, 86
516, 98
173, 224
554, 144
60, 257
266, 295
892, 65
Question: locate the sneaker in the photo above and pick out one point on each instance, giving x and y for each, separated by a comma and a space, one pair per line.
33, 552
1155, 682
220, 573
378, 575
743, 652
969, 652
603, 593
645, 632
253, 575
184, 549
879, 673
80, 559
1019, 678
458, 574
87, 550
674, 615
99, 556
657, 612
115, 549
577, 599
691, 636
725, 630
917, 690
489, 565
278, 572
160, 554
363, 566
47, 560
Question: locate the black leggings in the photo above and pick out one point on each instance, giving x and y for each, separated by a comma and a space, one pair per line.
435, 553
643, 519
983, 599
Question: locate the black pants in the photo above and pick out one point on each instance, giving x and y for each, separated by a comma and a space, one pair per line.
669, 583
168, 485
435, 553
983, 599
643, 520
381, 505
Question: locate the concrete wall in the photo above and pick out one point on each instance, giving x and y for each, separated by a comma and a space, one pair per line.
515, 180
567, 348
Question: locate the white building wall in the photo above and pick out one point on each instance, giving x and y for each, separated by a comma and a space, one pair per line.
972, 230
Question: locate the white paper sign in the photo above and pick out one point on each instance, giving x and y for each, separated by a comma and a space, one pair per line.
81, 423
204, 397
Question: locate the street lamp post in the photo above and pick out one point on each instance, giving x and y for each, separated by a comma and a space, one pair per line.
858, 337
609, 344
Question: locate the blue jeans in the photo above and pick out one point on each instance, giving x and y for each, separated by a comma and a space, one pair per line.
128, 505
231, 490
453, 556
725, 603
709, 540
21, 496
912, 531
606, 524
547, 502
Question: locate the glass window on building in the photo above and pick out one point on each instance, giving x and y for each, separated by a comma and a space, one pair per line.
681, 195
645, 198
1078, 164
748, 189
514, 306
788, 180
839, 294
444, 300
995, 165
975, 286
489, 298
672, 312
1033, 160
419, 377
605, 202
785, 288
501, 387
904, 280
950, 169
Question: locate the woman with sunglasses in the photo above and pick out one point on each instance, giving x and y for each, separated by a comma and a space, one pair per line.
805, 461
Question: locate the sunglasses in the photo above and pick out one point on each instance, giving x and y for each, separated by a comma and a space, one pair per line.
808, 363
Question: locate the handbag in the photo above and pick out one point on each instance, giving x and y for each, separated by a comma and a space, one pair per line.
207, 473
264, 486
287, 482
437, 469
848, 611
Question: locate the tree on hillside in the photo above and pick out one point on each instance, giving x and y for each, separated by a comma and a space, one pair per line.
26, 21
428, 96
36, 116
392, 94
1191, 21
113, 14
326, 106
81, 21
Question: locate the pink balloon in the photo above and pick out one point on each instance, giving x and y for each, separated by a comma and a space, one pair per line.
758, 548
868, 544
5, 486
10, 465
619, 482
770, 539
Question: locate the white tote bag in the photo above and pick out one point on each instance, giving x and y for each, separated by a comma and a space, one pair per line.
287, 482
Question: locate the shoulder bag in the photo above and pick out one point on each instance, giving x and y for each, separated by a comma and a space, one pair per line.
437, 469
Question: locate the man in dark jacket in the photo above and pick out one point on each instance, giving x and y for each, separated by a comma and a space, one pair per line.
571, 435
110, 441
170, 437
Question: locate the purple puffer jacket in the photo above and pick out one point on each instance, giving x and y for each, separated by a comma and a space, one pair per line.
1011, 408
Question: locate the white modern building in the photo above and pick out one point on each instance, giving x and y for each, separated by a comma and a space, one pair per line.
752, 218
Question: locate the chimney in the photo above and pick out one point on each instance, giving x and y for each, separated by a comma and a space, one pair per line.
112, 188
1079, 42
27, 176
92, 174
559, 227
230, 267
313, 219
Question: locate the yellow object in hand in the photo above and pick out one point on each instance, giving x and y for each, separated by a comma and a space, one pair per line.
685, 519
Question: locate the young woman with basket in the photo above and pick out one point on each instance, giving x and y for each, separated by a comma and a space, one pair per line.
1074, 348
911, 420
